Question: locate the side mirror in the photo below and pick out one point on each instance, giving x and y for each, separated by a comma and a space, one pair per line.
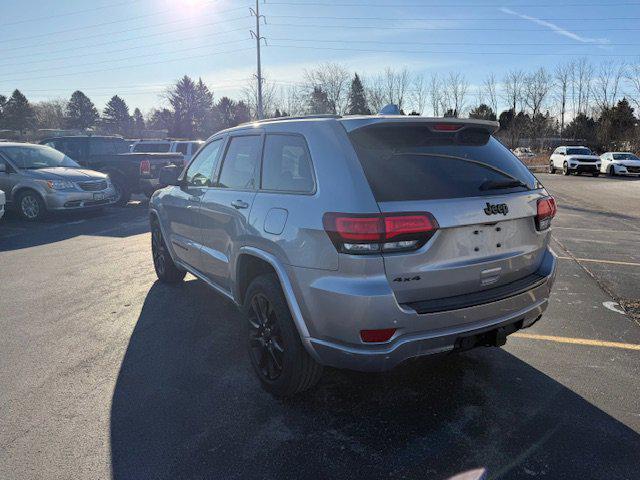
169, 176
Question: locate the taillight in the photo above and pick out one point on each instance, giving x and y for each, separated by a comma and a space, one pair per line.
377, 336
546, 211
387, 232
145, 167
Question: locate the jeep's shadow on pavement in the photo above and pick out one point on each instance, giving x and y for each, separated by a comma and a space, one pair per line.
186, 405
16, 234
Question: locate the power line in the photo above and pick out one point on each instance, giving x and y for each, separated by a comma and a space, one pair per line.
68, 14
121, 40
70, 74
101, 62
452, 5
493, 44
119, 50
446, 29
475, 19
144, 27
456, 52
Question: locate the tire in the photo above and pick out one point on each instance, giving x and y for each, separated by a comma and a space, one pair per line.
611, 171
123, 192
166, 270
552, 168
565, 169
30, 206
277, 355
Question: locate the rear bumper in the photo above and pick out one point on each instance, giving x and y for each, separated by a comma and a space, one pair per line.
417, 334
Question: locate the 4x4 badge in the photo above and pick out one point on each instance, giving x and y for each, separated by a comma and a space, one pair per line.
496, 209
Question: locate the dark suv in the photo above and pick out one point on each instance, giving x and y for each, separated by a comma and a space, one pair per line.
129, 172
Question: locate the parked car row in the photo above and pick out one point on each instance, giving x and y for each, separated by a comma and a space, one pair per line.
77, 172
577, 159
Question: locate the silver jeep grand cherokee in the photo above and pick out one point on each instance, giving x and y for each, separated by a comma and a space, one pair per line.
360, 242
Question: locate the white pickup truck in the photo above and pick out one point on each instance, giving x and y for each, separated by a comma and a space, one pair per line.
576, 160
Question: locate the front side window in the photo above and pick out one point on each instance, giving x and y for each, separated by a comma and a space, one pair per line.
286, 165
37, 156
240, 166
200, 172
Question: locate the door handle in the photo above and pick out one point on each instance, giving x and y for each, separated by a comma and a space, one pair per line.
239, 204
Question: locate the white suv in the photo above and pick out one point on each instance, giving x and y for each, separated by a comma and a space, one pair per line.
574, 160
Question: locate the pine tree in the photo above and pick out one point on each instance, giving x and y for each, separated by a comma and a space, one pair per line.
482, 112
81, 112
3, 103
18, 113
116, 116
319, 103
138, 123
357, 98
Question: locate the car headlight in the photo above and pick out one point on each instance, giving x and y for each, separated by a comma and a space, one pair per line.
60, 184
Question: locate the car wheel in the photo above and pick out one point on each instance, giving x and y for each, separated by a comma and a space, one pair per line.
123, 192
166, 270
565, 168
30, 205
552, 168
611, 171
277, 355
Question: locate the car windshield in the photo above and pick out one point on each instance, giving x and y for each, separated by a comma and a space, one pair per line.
578, 151
37, 156
624, 156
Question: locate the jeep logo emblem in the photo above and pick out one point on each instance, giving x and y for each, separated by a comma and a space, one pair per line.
496, 209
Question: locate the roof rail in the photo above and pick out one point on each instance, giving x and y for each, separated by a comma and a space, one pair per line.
301, 117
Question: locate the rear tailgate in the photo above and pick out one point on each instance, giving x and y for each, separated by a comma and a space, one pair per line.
487, 236
151, 163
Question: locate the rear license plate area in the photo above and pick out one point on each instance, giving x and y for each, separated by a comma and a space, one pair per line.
98, 196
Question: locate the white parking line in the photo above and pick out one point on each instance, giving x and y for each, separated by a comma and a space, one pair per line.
594, 260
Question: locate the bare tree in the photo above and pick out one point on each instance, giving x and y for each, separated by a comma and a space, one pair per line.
375, 92
334, 79
435, 94
50, 113
395, 86
633, 80
536, 88
562, 79
419, 94
457, 88
607, 83
490, 92
581, 79
513, 89
269, 96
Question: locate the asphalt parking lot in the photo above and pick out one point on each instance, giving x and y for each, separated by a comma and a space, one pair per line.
106, 373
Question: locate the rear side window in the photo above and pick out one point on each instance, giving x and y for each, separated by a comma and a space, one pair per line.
182, 148
286, 165
240, 165
405, 162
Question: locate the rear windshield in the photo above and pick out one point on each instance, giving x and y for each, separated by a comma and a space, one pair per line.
152, 147
405, 163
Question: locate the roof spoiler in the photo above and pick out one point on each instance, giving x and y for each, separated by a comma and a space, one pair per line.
355, 123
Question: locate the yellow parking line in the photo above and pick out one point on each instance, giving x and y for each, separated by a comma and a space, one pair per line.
594, 260
577, 341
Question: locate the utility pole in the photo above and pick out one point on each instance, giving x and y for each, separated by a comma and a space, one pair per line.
256, 35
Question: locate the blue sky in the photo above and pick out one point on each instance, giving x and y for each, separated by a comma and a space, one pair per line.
136, 48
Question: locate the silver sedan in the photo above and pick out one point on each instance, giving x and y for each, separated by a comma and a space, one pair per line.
38, 179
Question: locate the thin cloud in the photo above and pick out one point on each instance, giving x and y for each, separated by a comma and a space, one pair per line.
555, 28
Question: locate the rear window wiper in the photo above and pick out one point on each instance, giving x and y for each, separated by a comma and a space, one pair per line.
499, 184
